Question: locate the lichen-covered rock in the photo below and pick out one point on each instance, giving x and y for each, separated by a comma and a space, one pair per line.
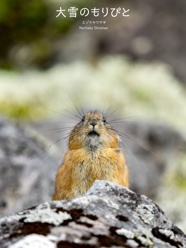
109, 215
27, 171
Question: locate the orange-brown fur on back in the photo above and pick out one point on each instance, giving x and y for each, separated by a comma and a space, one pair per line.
93, 153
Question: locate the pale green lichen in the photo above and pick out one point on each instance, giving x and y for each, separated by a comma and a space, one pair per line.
126, 233
146, 241
146, 213
33, 240
43, 213
47, 216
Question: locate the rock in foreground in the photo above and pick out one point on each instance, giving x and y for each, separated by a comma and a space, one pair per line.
107, 216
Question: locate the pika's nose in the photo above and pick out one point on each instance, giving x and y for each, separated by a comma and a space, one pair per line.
93, 123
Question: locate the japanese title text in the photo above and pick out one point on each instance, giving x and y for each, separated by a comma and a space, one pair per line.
74, 12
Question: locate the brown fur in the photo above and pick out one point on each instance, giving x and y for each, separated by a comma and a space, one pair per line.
90, 156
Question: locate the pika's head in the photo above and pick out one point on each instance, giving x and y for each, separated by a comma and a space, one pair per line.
93, 132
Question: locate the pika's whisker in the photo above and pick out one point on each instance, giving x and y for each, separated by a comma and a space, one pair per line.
137, 142
124, 119
75, 106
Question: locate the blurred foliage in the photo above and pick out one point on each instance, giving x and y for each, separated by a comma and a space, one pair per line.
142, 94
124, 85
20, 21
180, 181
19, 111
34, 23
179, 175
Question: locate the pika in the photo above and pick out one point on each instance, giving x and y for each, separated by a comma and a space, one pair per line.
93, 153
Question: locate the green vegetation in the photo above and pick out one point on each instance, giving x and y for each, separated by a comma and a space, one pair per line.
19, 111
31, 23
20, 22
179, 176
141, 94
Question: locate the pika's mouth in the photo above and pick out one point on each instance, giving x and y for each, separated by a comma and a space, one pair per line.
93, 133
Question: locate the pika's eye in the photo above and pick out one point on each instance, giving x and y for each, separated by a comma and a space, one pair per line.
104, 119
83, 119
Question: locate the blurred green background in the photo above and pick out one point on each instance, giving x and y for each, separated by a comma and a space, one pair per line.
136, 66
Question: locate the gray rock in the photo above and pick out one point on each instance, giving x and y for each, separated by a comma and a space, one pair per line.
109, 215
27, 172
